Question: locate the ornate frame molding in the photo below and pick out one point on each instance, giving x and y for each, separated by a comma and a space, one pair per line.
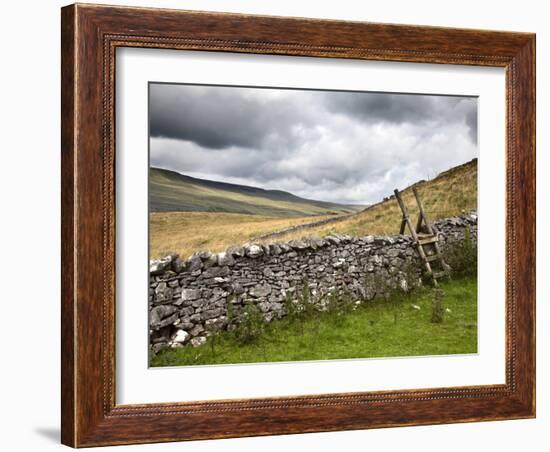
90, 37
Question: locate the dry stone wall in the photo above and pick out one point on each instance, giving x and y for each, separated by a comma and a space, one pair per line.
188, 299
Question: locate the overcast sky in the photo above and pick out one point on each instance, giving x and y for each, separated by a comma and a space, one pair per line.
335, 146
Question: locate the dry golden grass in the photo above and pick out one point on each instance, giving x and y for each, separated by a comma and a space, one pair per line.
187, 232
449, 194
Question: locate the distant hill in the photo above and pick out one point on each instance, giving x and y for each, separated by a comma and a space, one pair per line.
170, 191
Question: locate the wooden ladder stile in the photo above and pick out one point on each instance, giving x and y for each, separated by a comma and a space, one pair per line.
422, 217
428, 239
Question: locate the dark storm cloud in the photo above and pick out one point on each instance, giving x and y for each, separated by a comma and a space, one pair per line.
406, 108
333, 146
218, 118
394, 108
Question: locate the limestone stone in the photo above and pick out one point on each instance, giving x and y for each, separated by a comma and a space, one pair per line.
165, 322
237, 288
210, 260
198, 341
197, 329
190, 294
260, 290
211, 314
160, 312
178, 265
194, 263
215, 272
236, 251
159, 266
181, 337
298, 244
254, 251
225, 259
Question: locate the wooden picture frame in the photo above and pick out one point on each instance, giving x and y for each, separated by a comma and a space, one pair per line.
90, 36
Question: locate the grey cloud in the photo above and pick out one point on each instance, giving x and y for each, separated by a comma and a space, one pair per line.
471, 121
219, 117
406, 108
384, 107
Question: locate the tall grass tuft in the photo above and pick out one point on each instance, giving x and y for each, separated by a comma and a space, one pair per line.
462, 256
438, 309
251, 326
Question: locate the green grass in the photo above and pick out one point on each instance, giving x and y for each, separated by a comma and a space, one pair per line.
383, 328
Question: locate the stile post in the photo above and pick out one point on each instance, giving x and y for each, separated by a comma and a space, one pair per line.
431, 230
420, 249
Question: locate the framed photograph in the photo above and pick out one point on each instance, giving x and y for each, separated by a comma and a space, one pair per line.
281, 225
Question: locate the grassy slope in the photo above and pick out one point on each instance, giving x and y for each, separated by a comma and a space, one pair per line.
448, 194
368, 332
170, 191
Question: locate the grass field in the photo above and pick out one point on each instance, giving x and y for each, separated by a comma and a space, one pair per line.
388, 328
188, 232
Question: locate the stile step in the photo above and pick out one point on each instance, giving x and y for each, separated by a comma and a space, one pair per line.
433, 257
427, 240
